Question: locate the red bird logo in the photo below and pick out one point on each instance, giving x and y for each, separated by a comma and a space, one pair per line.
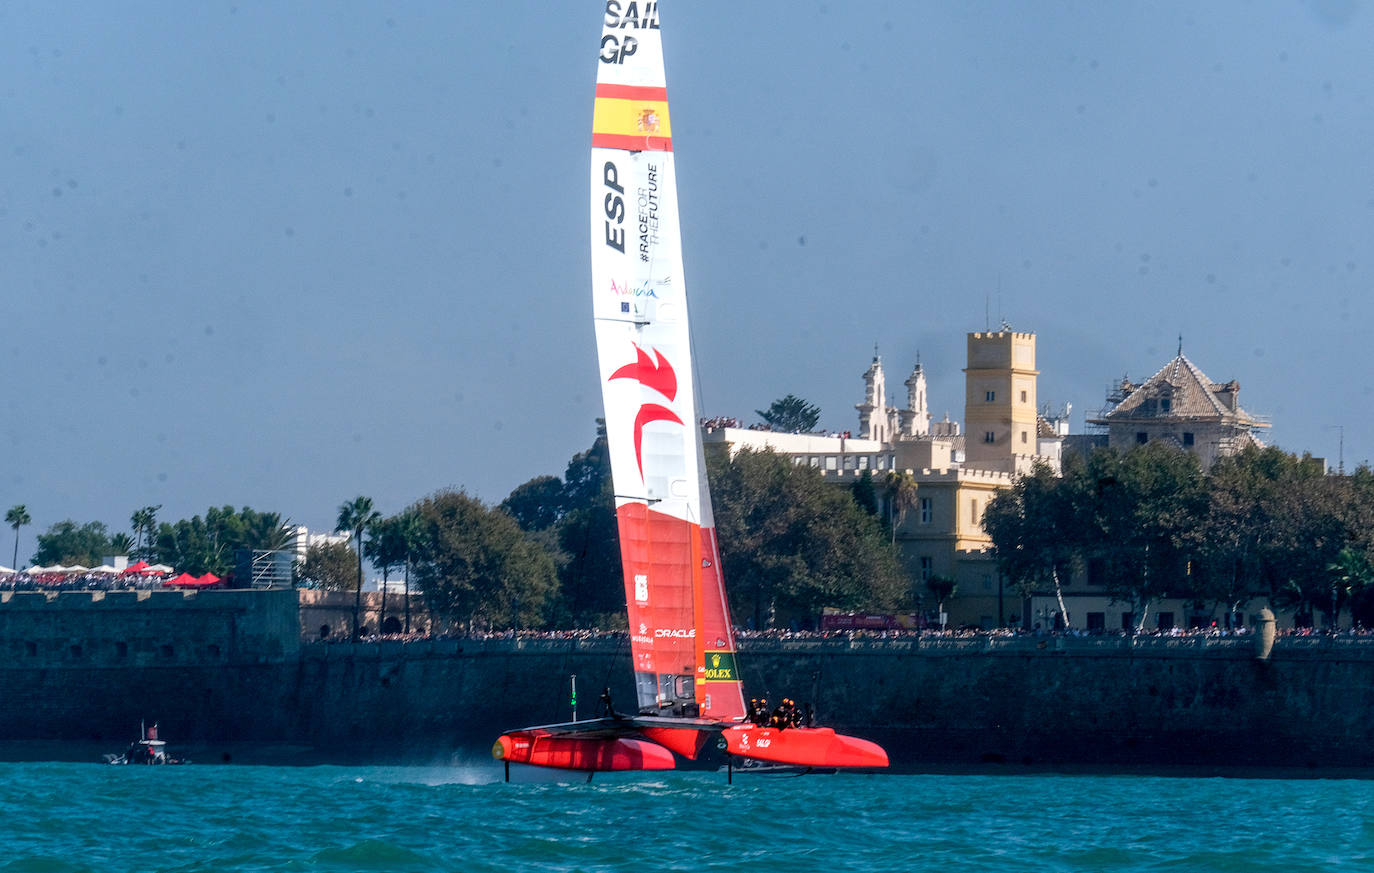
657, 374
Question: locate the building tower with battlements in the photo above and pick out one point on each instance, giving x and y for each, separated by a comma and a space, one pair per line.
999, 401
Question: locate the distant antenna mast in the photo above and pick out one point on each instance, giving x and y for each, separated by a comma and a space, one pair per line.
1340, 451
1000, 319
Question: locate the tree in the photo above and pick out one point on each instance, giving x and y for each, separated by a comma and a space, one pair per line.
192, 546
865, 494
1358, 514
1273, 525
1131, 517
1144, 508
208, 545
588, 472
1248, 531
791, 414
942, 588
263, 531
411, 533
792, 543
1036, 527
66, 543
477, 567
388, 548
144, 523
17, 517
587, 545
328, 566
356, 516
900, 496
536, 505
121, 544
1351, 576
574, 521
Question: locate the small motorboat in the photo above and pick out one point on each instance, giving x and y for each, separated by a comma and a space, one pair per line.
148, 750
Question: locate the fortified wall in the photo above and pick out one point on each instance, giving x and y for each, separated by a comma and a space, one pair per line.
225, 668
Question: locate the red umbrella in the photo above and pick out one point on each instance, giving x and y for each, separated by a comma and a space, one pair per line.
186, 580
137, 567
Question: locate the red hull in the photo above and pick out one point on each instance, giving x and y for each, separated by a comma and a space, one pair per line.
571, 752
806, 747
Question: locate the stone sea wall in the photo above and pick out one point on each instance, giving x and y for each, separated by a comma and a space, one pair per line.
229, 668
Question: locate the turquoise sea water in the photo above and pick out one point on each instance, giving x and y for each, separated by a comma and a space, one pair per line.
90, 817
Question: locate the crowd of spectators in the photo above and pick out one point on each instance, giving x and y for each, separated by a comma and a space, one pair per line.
146, 580
719, 422
79, 581
743, 634
580, 634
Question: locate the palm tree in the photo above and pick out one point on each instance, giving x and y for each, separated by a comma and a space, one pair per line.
121, 543
412, 536
267, 532
1351, 574
387, 549
899, 492
17, 517
143, 522
356, 516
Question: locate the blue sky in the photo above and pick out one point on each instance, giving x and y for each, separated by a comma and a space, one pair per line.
279, 255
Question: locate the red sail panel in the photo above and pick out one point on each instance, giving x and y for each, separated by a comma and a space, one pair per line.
656, 552
680, 636
699, 692
720, 691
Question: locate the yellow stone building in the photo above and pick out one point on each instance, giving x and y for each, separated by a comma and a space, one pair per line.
999, 400
951, 476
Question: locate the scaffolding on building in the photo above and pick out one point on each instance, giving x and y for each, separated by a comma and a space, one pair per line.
266, 568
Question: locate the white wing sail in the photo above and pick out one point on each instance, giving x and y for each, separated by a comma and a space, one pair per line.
679, 623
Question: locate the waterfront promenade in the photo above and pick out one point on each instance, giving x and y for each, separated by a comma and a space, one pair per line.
1357, 644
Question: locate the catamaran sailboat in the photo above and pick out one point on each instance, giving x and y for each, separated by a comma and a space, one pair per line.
682, 644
